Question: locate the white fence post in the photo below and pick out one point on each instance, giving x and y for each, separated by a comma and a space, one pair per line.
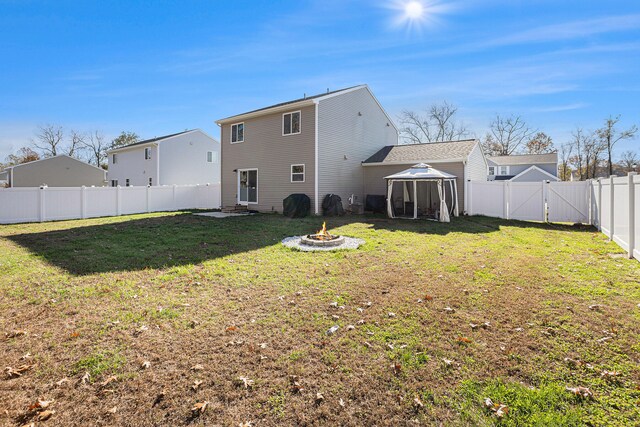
632, 214
42, 210
147, 198
470, 198
611, 208
505, 197
599, 204
118, 201
545, 200
174, 198
83, 202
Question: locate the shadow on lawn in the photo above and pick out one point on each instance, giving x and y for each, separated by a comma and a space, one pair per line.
184, 239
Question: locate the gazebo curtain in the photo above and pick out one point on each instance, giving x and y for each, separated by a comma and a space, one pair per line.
408, 197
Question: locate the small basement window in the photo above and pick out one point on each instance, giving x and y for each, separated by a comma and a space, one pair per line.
291, 123
237, 133
147, 153
127, 182
297, 173
150, 181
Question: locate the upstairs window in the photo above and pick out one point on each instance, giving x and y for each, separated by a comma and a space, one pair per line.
212, 157
291, 123
147, 153
297, 173
237, 133
114, 159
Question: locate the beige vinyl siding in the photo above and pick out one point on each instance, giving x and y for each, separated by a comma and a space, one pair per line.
346, 138
375, 183
60, 171
477, 168
266, 149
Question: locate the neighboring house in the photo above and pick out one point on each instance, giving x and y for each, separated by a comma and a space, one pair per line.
524, 167
464, 159
58, 171
189, 157
313, 145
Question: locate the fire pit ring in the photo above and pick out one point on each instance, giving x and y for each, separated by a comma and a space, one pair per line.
314, 240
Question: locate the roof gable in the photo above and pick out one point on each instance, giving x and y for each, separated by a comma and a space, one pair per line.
156, 139
292, 103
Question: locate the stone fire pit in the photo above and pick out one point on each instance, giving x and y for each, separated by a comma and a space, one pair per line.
322, 241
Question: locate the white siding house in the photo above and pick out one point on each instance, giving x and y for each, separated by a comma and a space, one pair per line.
523, 167
185, 158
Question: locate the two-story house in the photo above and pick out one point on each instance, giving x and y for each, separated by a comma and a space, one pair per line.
185, 158
313, 145
523, 167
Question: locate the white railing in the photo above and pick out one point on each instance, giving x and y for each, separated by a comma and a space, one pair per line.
59, 203
611, 204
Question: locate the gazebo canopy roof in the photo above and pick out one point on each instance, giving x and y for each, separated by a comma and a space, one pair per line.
421, 171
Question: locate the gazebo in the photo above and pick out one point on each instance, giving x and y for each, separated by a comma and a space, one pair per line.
422, 192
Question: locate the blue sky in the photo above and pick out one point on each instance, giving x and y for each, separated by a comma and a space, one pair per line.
161, 67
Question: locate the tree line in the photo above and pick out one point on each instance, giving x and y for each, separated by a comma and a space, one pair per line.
53, 140
586, 154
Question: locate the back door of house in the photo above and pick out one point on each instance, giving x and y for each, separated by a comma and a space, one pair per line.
247, 186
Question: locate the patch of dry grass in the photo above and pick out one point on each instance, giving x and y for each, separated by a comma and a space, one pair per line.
215, 301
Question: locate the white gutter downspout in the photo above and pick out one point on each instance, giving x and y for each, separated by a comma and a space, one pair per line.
316, 173
466, 188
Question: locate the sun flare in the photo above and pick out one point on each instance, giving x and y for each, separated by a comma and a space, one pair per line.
414, 9
416, 15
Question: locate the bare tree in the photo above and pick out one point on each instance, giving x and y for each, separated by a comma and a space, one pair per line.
565, 155
540, 143
629, 160
23, 155
437, 125
97, 146
609, 136
49, 140
506, 135
76, 143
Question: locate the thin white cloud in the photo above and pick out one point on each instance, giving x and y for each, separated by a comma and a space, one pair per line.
559, 108
569, 30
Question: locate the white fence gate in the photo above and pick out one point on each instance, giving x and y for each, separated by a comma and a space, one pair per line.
612, 204
59, 203
530, 201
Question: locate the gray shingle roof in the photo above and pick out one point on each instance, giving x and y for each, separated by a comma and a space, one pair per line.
156, 139
524, 159
416, 153
290, 102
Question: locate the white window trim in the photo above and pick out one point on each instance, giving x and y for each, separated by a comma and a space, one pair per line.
231, 132
304, 173
147, 150
503, 174
494, 170
300, 127
257, 186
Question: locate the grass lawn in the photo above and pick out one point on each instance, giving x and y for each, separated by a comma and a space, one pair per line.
224, 314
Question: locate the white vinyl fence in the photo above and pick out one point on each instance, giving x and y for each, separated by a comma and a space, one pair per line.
611, 204
59, 203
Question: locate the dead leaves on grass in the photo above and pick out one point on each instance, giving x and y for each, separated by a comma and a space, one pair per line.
580, 391
200, 407
498, 409
17, 372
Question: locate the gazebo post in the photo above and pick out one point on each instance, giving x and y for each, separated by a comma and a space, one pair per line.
456, 212
415, 199
389, 194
